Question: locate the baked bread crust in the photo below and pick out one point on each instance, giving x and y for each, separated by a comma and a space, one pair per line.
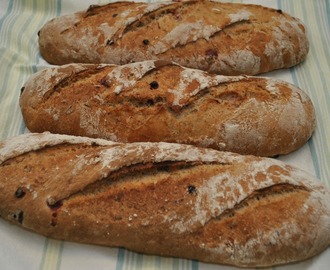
224, 38
165, 199
162, 101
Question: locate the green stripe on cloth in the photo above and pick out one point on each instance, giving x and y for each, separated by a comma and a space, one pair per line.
127, 260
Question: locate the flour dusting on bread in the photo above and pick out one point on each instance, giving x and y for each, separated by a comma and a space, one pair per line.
205, 205
208, 35
140, 101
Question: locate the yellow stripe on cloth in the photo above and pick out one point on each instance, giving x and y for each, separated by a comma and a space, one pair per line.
51, 259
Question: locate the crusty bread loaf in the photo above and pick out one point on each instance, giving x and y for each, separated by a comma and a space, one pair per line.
166, 199
224, 38
162, 101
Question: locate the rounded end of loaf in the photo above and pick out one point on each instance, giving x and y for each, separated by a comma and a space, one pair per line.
56, 49
265, 128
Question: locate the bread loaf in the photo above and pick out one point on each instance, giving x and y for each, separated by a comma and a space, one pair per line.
162, 101
166, 199
224, 38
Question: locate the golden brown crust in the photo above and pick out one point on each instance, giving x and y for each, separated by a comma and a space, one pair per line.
165, 199
162, 101
224, 38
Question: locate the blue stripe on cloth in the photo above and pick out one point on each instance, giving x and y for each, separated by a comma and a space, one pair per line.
120, 259
59, 7
194, 265
7, 13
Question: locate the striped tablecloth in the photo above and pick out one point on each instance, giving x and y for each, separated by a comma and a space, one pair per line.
20, 21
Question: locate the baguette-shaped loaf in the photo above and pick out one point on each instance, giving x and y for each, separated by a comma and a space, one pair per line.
166, 199
162, 101
223, 38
